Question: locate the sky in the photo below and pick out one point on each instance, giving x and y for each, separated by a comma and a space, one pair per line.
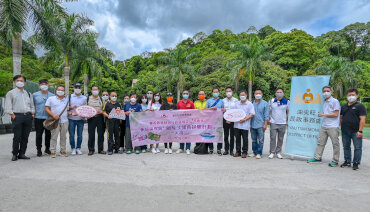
130, 27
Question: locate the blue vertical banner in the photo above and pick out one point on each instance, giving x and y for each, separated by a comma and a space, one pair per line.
304, 124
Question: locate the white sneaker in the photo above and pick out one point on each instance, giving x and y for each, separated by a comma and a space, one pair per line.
79, 152
258, 156
179, 151
271, 156
153, 151
157, 150
73, 152
188, 152
279, 156
170, 151
252, 155
143, 151
166, 151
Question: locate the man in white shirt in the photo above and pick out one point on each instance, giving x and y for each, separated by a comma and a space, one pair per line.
279, 109
242, 127
229, 103
329, 128
54, 106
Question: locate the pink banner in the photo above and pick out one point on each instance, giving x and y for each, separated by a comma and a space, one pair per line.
183, 126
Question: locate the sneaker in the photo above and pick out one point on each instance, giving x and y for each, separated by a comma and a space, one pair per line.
219, 152
258, 156
333, 164
128, 152
137, 152
47, 151
169, 151
271, 156
355, 166
179, 151
279, 156
143, 151
64, 154
188, 151
211, 151
110, 153
252, 155
346, 164
165, 151
154, 151
120, 151
79, 152
157, 150
116, 151
39, 153
226, 153
73, 152
313, 161
52, 155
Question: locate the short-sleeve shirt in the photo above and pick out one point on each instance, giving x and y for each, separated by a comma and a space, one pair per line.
351, 116
39, 100
110, 106
200, 104
132, 108
167, 106
278, 111
331, 105
144, 107
185, 106
262, 114
96, 103
248, 108
76, 101
210, 102
57, 106
230, 103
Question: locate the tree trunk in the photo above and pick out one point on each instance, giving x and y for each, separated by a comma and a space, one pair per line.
66, 76
85, 84
17, 54
178, 91
250, 90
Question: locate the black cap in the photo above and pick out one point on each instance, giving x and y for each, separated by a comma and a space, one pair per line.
77, 84
43, 81
169, 94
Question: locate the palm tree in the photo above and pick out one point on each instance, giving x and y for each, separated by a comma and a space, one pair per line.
15, 16
341, 71
177, 65
68, 33
249, 61
88, 59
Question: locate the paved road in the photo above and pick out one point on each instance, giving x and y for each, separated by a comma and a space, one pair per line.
148, 182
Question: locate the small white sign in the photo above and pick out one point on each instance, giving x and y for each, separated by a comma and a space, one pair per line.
234, 115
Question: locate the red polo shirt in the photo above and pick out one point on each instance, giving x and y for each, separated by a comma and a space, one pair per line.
183, 106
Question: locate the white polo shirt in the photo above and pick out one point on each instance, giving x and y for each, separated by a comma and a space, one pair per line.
76, 101
278, 112
249, 110
56, 106
230, 103
331, 105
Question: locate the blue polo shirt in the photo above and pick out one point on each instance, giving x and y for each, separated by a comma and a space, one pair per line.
39, 100
132, 108
210, 102
262, 113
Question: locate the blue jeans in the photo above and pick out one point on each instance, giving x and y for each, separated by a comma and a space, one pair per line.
258, 136
72, 130
187, 146
357, 143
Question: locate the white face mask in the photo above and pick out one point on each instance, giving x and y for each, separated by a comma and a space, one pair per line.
44, 87
156, 98
229, 94
352, 98
258, 96
77, 91
60, 93
326, 95
19, 84
114, 98
95, 93
144, 100
133, 100
243, 98
105, 97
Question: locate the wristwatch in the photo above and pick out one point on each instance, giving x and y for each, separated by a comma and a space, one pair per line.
360, 131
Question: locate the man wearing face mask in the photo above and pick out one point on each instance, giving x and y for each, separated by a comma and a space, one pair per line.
259, 123
214, 104
113, 124
56, 107
185, 104
19, 105
229, 103
279, 109
39, 98
201, 103
132, 107
96, 122
75, 121
329, 128
352, 118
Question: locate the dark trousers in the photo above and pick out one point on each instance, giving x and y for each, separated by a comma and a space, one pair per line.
113, 131
39, 127
168, 144
228, 131
123, 133
22, 126
97, 123
239, 134
219, 146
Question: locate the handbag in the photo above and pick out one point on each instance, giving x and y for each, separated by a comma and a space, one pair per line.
50, 123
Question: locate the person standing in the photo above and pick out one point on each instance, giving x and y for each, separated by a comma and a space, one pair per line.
329, 128
229, 103
75, 121
113, 124
96, 122
56, 107
259, 123
169, 105
131, 107
214, 104
185, 104
39, 98
352, 118
19, 105
155, 107
144, 107
241, 127
279, 109
201, 103
150, 99
126, 100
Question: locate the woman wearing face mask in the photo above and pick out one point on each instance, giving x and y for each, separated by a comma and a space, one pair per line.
144, 106
131, 107
126, 99
169, 105
155, 107
113, 124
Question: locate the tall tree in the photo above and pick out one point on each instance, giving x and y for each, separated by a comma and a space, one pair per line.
248, 61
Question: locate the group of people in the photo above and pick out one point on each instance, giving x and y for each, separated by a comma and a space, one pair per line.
24, 107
